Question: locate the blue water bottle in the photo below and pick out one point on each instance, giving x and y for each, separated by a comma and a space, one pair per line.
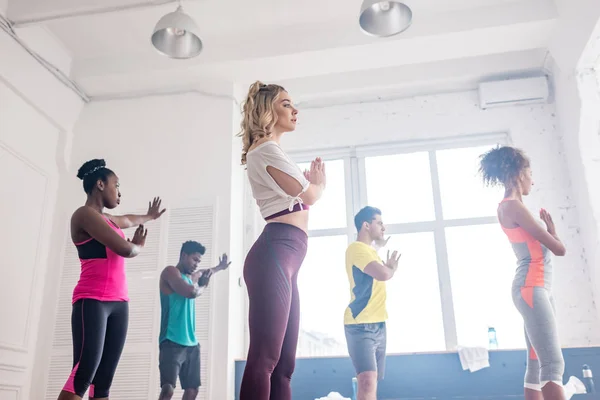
492, 340
588, 379
354, 388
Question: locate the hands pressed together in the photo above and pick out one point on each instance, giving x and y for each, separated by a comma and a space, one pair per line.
547, 218
316, 174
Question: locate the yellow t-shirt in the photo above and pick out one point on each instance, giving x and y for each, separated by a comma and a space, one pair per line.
367, 295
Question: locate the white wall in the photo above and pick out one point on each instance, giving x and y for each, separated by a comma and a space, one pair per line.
178, 147
237, 290
580, 154
576, 24
576, 45
36, 117
533, 128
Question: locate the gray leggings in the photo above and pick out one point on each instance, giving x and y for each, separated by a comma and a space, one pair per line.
545, 361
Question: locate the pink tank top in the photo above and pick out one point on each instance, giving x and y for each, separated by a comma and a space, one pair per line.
102, 271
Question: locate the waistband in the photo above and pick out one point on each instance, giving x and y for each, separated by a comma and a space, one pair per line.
297, 207
281, 230
367, 325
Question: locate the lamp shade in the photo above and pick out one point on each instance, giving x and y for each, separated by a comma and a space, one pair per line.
176, 35
384, 18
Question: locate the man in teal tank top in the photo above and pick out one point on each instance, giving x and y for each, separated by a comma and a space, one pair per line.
179, 348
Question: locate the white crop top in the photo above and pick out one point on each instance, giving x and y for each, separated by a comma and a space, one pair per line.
269, 196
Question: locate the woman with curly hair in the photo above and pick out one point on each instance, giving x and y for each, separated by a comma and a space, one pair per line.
532, 285
283, 193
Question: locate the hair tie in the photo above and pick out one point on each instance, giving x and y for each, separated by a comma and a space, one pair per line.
93, 170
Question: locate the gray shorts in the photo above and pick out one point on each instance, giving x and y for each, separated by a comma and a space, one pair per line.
175, 360
366, 346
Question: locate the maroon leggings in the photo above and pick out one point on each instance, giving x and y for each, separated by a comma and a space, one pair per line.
271, 275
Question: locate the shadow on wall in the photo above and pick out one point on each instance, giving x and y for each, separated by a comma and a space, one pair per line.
430, 376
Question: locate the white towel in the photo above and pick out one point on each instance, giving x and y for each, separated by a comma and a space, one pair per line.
334, 396
573, 386
473, 358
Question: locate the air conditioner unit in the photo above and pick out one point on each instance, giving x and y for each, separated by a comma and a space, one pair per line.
513, 92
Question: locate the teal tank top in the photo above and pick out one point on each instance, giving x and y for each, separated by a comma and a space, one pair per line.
178, 318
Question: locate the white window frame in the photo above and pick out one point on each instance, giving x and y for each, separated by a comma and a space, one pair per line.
356, 198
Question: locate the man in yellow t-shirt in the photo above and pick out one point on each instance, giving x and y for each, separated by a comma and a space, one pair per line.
366, 314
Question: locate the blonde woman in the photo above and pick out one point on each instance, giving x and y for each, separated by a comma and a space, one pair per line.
283, 194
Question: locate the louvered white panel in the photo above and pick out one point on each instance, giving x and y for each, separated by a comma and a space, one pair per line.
142, 277
195, 223
132, 378
69, 277
60, 368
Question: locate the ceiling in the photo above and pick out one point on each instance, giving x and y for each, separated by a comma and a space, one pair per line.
314, 46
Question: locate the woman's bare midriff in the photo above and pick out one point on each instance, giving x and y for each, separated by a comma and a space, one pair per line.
299, 219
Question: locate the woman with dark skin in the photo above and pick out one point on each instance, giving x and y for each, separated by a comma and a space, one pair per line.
533, 244
100, 313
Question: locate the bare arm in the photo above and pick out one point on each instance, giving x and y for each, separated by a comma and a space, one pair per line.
385, 271
172, 277
202, 276
379, 271
522, 217
131, 220
94, 225
128, 220
292, 187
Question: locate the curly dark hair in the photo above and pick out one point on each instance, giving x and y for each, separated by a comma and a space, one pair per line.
502, 165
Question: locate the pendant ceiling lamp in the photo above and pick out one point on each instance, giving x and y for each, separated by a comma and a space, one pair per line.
384, 18
176, 35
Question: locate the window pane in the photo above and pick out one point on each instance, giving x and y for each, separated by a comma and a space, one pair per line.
461, 187
482, 267
324, 294
413, 296
400, 185
330, 210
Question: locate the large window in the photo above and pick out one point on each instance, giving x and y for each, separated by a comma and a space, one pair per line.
455, 273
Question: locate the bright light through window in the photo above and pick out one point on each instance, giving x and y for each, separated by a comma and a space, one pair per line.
480, 263
413, 296
401, 185
482, 267
324, 295
462, 190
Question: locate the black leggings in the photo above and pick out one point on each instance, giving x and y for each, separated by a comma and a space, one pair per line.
99, 330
